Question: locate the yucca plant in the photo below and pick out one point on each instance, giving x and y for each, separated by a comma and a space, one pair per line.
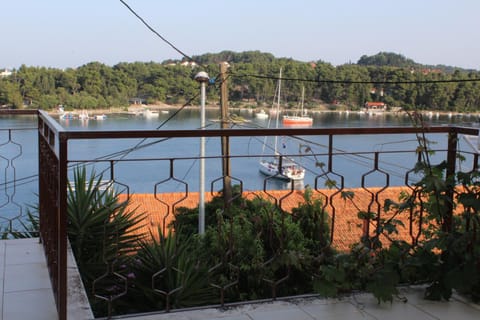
101, 230
167, 275
30, 226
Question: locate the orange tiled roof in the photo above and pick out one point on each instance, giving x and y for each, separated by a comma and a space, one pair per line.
374, 104
347, 226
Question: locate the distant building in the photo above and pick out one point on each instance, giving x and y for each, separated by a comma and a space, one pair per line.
191, 64
375, 106
425, 71
377, 91
137, 101
5, 73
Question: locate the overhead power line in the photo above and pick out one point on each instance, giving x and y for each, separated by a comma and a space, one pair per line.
189, 58
258, 76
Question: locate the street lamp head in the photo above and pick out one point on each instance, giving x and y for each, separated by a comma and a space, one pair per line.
202, 76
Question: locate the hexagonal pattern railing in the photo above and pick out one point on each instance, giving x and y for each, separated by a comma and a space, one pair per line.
112, 285
10, 151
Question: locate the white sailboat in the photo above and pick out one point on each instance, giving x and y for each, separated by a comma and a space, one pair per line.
261, 114
149, 114
280, 167
83, 115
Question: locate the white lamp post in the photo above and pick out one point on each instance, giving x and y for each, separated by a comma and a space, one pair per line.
202, 77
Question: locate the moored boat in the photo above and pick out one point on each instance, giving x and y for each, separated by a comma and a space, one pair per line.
297, 120
301, 120
100, 117
288, 171
83, 115
147, 113
261, 114
278, 167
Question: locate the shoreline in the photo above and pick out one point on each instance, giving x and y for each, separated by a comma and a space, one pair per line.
137, 109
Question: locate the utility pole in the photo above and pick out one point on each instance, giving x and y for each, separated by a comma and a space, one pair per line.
227, 183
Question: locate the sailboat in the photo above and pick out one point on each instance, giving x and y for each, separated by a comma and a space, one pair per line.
261, 114
301, 120
280, 167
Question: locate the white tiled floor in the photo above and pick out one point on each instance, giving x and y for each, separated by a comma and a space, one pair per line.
25, 293
359, 306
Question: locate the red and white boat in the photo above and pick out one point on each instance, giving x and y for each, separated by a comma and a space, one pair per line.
297, 121
303, 120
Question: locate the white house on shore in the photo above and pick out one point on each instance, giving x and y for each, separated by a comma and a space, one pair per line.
5, 73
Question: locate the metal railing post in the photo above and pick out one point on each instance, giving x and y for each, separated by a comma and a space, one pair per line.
450, 176
62, 228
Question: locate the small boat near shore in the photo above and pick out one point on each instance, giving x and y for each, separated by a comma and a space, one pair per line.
261, 114
149, 114
99, 117
66, 116
83, 115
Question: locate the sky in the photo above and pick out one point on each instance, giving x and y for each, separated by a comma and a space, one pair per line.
68, 34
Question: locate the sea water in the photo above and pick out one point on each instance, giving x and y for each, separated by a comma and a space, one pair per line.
144, 166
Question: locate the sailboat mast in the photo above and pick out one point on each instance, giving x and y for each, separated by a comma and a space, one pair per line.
303, 97
278, 109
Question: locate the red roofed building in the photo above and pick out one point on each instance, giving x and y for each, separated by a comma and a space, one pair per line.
375, 106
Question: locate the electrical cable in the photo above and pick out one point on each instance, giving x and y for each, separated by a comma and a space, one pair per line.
159, 35
122, 153
258, 76
140, 145
359, 159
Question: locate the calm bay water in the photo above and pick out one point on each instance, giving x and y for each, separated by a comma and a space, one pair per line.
18, 153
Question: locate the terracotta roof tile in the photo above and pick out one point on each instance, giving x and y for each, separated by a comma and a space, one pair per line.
347, 226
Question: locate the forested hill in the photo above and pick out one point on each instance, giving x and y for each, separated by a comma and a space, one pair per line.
383, 59
387, 59
388, 77
235, 57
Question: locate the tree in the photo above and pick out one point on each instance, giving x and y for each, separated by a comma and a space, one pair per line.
386, 59
10, 94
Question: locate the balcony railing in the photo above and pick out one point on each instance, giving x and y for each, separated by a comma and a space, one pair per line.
156, 183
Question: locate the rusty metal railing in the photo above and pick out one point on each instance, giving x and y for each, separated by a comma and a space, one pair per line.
55, 160
52, 207
373, 195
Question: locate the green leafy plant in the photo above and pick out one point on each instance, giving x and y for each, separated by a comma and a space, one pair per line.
254, 249
447, 258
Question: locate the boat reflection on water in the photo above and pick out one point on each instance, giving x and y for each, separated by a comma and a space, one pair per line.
279, 184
